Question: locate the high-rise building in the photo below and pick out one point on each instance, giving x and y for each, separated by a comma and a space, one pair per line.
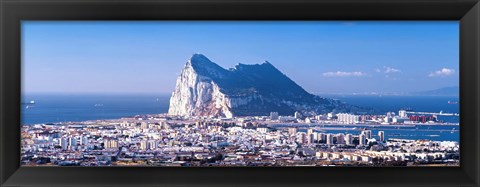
321, 137
143, 145
362, 139
349, 139
310, 138
64, 143
72, 141
310, 131
110, 143
348, 118
340, 138
302, 138
329, 139
381, 136
84, 140
368, 134
274, 115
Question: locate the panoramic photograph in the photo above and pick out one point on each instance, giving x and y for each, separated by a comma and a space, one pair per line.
240, 93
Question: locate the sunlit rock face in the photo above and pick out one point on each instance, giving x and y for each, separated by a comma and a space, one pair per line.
203, 88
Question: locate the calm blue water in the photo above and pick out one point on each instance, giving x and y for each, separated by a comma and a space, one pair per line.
64, 107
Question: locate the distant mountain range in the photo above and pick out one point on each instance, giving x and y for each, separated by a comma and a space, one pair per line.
205, 89
445, 91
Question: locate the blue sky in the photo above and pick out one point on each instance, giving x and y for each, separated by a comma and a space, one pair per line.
321, 56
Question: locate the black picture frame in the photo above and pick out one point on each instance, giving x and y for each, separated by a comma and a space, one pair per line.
12, 12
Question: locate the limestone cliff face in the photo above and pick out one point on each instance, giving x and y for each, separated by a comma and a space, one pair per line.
206, 89
199, 95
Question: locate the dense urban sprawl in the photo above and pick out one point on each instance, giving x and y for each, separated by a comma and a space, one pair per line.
163, 140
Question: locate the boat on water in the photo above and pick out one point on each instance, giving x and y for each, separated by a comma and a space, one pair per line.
453, 130
32, 102
452, 102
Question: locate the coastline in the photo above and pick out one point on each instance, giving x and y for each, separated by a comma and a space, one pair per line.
266, 123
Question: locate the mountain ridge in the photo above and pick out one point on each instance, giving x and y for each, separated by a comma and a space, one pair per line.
443, 91
206, 89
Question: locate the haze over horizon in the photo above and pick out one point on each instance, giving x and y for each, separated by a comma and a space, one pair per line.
322, 57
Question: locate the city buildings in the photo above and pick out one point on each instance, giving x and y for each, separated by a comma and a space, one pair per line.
381, 136
274, 115
362, 139
348, 118
162, 140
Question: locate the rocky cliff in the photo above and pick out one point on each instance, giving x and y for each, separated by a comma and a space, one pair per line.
206, 89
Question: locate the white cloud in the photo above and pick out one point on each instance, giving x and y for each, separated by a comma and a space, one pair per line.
344, 74
442, 73
390, 70
386, 69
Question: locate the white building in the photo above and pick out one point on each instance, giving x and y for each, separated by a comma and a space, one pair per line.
302, 138
402, 113
340, 138
381, 136
311, 138
262, 129
329, 139
274, 115
368, 134
292, 130
72, 141
400, 119
143, 145
64, 143
330, 115
362, 140
321, 136
297, 115
349, 139
348, 118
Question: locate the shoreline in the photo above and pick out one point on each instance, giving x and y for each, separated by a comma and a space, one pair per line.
265, 123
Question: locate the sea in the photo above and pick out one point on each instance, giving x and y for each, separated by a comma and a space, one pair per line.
55, 108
